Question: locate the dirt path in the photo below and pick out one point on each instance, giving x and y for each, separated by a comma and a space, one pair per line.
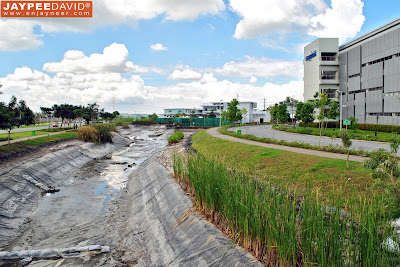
214, 132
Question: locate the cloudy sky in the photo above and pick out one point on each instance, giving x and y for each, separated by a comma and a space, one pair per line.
149, 55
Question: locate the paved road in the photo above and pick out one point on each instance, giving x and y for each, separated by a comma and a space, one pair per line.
267, 131
214, 132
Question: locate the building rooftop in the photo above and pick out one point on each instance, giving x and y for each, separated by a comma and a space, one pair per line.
370, 34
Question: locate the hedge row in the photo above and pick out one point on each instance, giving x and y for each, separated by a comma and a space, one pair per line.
360, 126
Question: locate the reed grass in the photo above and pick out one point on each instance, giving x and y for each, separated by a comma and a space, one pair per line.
283, 228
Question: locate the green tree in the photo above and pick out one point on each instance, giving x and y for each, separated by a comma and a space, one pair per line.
212, 115
233, 113
244, 112
386, 165
344, 135
153, 116
65, 112
333, 110
354, 124
282, 114
47, 112
305, 112
273, 111
6, 119
116, 114
107, 116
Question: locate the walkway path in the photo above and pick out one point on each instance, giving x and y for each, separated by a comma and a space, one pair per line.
214, 132
3, 143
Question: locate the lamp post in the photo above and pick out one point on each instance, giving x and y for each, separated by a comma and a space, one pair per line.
341, 113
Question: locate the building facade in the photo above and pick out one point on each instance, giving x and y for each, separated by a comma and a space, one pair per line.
366, 71
252, 114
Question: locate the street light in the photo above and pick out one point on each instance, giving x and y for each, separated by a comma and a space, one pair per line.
340, 111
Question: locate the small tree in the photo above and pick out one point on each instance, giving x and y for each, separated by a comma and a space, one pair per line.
47, 112
152, 116
244, 112
344, 135
386, 165
354, 124
234, 113
283, 114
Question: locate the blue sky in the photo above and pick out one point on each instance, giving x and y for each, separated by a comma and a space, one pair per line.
211, 50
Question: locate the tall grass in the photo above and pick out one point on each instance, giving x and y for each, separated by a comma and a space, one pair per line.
175, 138
285, 229
97, 133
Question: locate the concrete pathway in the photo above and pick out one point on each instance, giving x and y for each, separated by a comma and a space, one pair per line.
3, 143
214, 132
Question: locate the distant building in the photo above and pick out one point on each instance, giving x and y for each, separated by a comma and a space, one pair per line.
171, 112
366, 71
252, 115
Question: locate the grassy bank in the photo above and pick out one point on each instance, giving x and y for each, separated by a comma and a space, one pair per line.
296, 171
283, 227
18, 147
332, 132
18, 135
328, 148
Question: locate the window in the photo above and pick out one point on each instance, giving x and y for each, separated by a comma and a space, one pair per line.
328, 56
328, 75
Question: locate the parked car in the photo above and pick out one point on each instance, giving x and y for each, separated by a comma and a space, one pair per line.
55, 125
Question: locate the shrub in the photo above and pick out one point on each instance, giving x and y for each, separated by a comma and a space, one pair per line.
123, 124
88, 134
104, 131
175, 138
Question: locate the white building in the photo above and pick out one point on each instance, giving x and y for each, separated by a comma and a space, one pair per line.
252, 115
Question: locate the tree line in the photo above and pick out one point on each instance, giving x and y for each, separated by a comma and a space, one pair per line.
17, 113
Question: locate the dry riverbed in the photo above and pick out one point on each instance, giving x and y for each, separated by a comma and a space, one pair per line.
116, 195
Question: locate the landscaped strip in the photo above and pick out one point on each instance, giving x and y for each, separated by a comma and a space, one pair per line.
328, 148
283, 228
334, 133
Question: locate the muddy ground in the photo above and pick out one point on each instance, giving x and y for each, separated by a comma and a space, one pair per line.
115, 195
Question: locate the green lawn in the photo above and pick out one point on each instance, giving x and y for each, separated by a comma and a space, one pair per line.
17, 135
296, 171
29, 144
332, 132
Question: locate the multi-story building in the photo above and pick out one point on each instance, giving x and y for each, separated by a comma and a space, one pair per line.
366, 71
252, 114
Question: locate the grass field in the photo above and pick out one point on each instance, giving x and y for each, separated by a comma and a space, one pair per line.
29, 144
295, 171
17, 135
332, 132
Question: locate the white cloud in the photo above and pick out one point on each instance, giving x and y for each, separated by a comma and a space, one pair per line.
253, 79
343, 20
184, 75
262, 67
158, 47
208, 78
18, 35
113, 60
258, 17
